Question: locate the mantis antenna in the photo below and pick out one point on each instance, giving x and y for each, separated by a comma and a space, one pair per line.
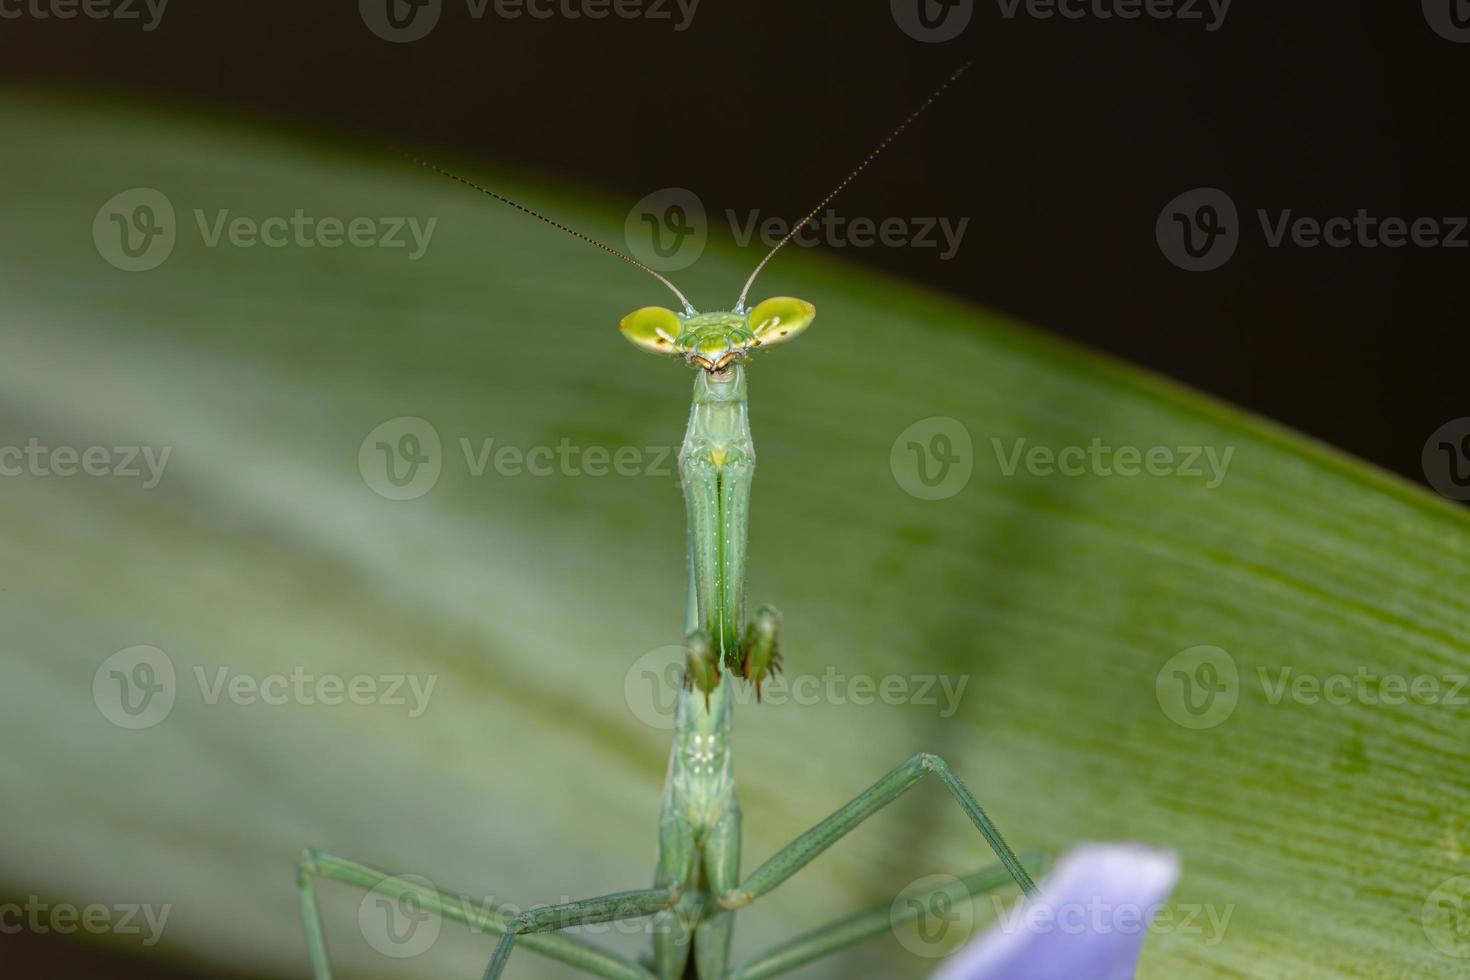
740, 303
688, 307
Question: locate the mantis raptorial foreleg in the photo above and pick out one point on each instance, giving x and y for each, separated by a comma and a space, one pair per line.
796, 855
532, 929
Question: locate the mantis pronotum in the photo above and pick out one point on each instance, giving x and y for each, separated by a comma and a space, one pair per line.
697, 886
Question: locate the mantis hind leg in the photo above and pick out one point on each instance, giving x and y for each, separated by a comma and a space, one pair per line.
533, 930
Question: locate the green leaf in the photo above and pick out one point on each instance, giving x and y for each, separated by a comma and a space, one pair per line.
1322, 829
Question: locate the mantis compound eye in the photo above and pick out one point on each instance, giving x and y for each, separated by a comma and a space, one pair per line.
779, 319
653, 328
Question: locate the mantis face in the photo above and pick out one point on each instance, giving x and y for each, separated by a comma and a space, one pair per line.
713, 341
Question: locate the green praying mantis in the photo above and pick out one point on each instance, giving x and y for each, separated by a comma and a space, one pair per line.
697, 887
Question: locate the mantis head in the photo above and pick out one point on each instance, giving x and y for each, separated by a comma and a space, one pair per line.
713, 341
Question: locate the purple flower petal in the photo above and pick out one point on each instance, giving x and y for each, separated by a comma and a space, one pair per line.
1088, 923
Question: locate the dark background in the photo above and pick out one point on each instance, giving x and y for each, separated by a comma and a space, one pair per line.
1062, 145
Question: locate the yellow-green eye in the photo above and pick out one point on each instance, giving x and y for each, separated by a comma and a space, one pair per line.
779, 319
653, 328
